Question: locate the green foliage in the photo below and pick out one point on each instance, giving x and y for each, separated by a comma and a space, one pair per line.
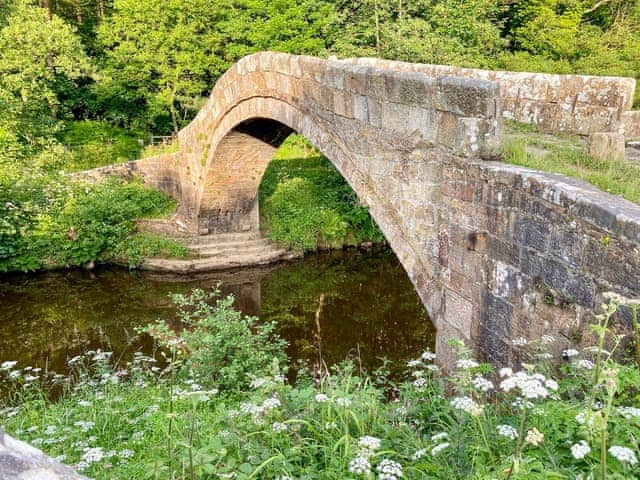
307, 204
460, 32
40, 58
137, 247
94, 144
224, 349
555, 418
612, 176
52, 221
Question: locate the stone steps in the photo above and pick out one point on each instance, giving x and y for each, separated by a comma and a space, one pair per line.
212, 263
222, 252
221, 238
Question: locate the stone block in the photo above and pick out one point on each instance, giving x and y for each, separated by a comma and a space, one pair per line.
459, 312
606, 146
531, 233
411, 89
467, 97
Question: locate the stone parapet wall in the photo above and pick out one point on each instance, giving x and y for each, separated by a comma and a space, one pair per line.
578, 104
526, 253
161, 172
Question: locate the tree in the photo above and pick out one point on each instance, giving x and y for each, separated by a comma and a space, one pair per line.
463, 32
163, 56
37, 57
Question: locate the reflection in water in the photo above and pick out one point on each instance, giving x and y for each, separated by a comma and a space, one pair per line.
369, 306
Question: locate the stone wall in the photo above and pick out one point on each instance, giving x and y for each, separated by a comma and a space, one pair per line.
525, 253
162, 172
557, 103
632, 125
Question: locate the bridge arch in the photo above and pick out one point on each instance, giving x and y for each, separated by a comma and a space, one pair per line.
485, 244
387, 133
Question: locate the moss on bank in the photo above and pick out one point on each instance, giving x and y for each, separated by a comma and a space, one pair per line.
306, 204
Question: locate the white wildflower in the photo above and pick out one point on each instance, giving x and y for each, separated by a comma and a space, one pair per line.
321, 398
482, 383
279, 427
505, 372
389, 470
419, 383
419, 454
126, 453
439, 436
414, 363
343, 402
534, 437
8, 365
570, 352
369, 443
629, 412
507, 431
360, 466
438, 448
519, 342
270, 404
580, 450
584, 364
428, 356
623, 454
548, 339
531, 386
465, 364
467, 404
92, 455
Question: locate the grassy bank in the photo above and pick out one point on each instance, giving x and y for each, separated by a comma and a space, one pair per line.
216, 404
306, 203
526, 147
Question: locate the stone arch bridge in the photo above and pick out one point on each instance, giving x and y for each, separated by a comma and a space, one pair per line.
494, 251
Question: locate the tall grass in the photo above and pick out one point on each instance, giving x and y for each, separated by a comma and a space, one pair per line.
617, 177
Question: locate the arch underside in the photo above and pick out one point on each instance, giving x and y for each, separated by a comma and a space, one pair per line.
255, 128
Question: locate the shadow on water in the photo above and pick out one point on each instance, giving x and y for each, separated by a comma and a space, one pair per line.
370, 309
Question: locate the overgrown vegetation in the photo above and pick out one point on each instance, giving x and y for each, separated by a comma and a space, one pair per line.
307, 204
48, 220
216, 404
96, 143
537, 151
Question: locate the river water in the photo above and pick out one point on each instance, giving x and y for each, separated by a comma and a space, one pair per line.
370, 309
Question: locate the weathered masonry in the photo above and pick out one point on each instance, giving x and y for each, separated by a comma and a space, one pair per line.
492, 249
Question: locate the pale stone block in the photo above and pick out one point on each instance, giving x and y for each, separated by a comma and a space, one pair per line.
606, 146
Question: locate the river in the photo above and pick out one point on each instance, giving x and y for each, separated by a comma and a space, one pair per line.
370, 311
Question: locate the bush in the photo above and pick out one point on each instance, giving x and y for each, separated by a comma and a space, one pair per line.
94, 144
307, 204
50, 220
225, 349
